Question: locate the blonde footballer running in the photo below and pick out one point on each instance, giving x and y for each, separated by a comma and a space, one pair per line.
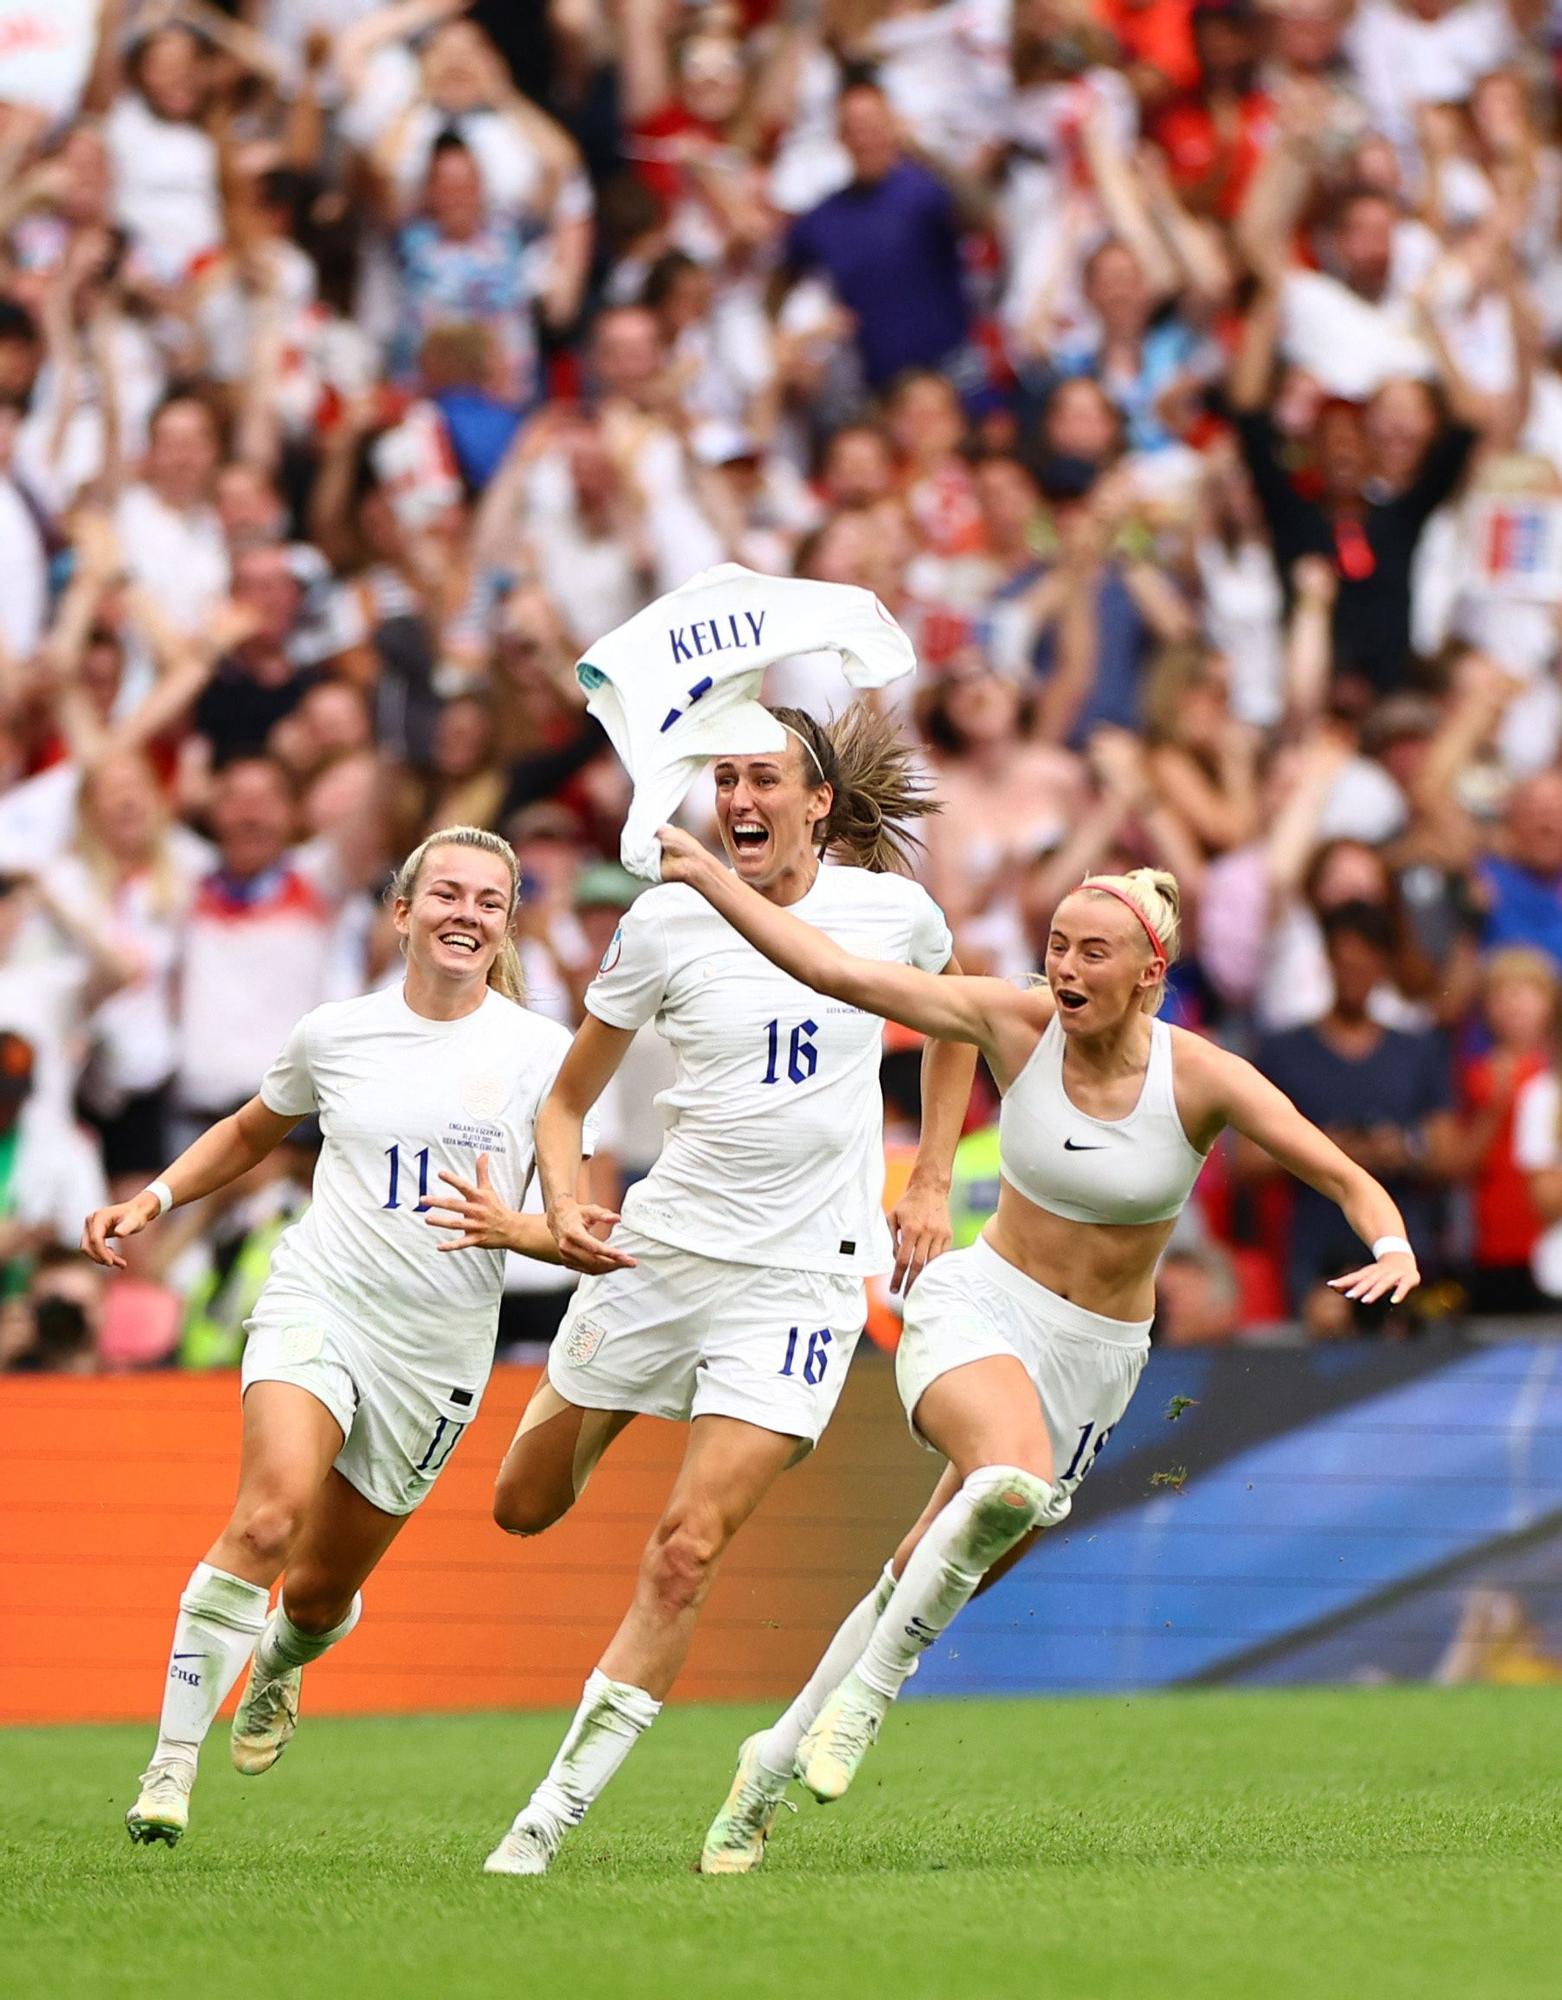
1020, 1354
368, 1351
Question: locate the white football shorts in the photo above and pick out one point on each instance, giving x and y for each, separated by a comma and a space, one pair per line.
397, 1431
683, 1335
972, 1304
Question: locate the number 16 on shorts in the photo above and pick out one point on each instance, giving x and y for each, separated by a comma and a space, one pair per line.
807, 1354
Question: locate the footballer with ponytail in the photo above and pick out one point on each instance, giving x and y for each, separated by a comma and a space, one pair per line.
1019, 1355
367, 1351
877, 792
733, 1290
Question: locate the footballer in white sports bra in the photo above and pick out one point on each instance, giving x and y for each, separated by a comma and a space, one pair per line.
732, 1295
368, 1352
1020, 1354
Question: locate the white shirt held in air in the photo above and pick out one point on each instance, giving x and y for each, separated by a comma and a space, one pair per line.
402, 1099
679, 684
774, 1152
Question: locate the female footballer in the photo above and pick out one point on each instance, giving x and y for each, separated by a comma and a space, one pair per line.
1019, 1354
732, 1294
368, 1352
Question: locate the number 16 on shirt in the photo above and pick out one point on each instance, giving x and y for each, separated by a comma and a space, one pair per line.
802, 1056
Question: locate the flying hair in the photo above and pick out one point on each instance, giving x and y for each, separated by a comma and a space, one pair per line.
1156, 900
878, 791
504, 975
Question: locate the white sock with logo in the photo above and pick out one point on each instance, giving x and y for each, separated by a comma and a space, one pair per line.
778, 1745
283, 1646
996, 1506
610, 1720
220, 1619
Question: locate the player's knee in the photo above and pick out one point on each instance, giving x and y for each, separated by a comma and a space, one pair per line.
267, 1529
682, 1559
314, 1605
521, 1508
1006, 1503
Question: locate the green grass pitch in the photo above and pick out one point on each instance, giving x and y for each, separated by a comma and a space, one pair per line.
1355, 1845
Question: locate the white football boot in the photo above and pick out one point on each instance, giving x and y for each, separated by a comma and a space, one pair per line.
842, 1734
528, 1848
162, 1812
264, 1721
735, 1844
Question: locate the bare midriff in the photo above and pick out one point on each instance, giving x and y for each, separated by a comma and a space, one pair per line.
1106, 1267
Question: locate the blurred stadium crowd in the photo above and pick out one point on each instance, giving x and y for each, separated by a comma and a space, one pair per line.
1182, 374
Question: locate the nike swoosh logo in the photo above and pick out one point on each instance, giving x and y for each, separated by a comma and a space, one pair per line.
1071, 1146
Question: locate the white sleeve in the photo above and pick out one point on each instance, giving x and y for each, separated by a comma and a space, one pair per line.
1537, 1143
932, 944
288, 1087
632, 979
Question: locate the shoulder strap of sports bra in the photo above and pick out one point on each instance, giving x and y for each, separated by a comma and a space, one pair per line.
1160, 1091
1043, 1068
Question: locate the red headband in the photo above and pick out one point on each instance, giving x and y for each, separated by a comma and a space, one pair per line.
1128, 903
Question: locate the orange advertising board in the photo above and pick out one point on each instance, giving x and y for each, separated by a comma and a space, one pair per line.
112, 1488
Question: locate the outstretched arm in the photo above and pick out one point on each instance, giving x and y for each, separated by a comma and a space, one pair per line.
953, 1009
230, 1148
1247, 1101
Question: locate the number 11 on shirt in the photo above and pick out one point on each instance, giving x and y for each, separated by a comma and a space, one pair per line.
393, 1154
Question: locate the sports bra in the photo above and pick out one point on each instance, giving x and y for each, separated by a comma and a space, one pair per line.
1120, 1170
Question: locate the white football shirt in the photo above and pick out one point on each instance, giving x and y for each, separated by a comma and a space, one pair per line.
774, 1151
400, 1100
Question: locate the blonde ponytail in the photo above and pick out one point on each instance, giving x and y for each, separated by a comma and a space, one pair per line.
504, 975
1156, 897
870, 768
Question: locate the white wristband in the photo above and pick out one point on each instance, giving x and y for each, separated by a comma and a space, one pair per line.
1389, 1246
164, 1194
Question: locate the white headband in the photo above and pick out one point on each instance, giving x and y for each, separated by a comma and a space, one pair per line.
808, 747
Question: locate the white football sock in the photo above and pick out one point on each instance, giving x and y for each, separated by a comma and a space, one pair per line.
778, 1745
220, 1618
283, 1646
609, 1721
996, 1506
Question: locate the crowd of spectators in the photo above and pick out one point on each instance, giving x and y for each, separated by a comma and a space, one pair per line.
1184, 375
